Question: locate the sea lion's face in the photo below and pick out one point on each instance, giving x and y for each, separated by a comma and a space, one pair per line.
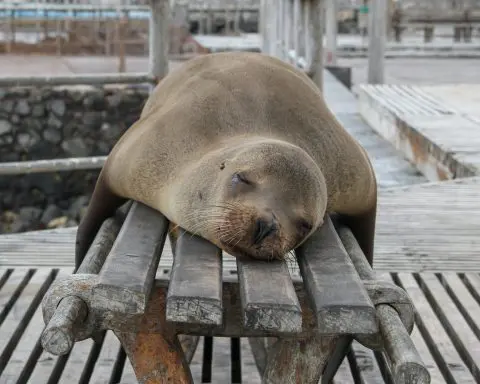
269, 199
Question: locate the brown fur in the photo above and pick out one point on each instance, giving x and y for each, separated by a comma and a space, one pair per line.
238, 112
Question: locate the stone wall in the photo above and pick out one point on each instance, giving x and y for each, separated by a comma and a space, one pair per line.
58, 122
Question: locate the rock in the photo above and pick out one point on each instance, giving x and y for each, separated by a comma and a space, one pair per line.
58, 107
23, 139
3, 92
70, 223
5, 127
15, 119
114, 100
75, 210
92, 120
95, 100
30, 217
38, 110
50, 213
22, 107
58, 222
54, 121
75, 147
52, 135
7, 105
8, 217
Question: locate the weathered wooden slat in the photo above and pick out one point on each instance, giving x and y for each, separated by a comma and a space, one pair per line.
344, 374
437, 339
339, 299
404, 361
59, 334
366, 366
221, 362
422, 348
126, 278
28, 350
250, 372
268, 297
22, 310
195, 289
472, 281
464, 339
11, 289
106, 367
128, 374
78, 362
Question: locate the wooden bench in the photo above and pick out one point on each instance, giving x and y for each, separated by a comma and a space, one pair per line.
309, 321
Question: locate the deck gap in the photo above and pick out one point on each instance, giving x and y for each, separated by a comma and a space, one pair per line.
352, 362
58, 369
207, 359
118, 367
236, 362
31, 362
23, 323
471, 289
437, 356
449, 328
5, 276
13, 298
459, 305
383, 366
92, 358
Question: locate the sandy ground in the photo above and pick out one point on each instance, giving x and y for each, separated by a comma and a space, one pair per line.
399, 70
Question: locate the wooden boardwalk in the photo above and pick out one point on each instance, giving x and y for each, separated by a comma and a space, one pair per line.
427, 241
436, 127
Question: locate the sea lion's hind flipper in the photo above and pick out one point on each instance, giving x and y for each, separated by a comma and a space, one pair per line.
363, 228
103, 205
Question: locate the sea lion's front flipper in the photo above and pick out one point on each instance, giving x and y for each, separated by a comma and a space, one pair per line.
363, 228
103, 205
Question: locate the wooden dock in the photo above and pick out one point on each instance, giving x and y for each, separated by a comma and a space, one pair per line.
436, 127
427, 241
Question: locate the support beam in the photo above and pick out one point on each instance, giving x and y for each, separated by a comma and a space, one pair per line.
377, 36
159, 38
331, 31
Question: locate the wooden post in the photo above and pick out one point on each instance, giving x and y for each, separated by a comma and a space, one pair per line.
296, 29
287, 19
316, 29
307, 33
331, 32
121, 26
377, 35
159, 23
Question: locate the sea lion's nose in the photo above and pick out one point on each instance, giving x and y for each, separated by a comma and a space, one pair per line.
264, 228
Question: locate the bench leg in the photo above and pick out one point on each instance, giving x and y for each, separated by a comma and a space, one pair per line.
298, 361
156, 359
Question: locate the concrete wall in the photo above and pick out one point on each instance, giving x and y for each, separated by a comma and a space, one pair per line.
59, 122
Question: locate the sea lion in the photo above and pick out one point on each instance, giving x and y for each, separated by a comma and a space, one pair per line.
240, 149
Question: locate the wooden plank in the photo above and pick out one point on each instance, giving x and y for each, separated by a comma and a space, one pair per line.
128, 374
472, 281
344, 374
250, 372
268, 297
14, 283
463, 337
127, 276
422, 348
28, 350
79, 361
339, 299
221, 360
109, 362
437, 339
21, 312
196, 363
365, 365
195, 288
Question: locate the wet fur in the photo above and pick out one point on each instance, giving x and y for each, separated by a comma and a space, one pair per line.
210, 105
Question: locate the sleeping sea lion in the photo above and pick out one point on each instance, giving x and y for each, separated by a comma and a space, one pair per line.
241, 149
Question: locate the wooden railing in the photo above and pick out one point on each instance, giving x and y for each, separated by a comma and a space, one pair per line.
158, 68
293, 30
